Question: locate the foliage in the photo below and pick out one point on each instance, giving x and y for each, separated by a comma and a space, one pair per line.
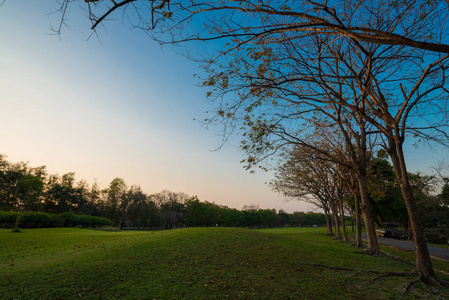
384, 192
44, 220
20, 185
433, 209
7, 218
444, 195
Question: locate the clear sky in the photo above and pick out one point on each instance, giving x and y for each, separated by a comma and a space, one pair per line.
122, 107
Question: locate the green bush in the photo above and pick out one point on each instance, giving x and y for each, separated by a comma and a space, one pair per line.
86, 221
44, 220
94, 222
8, 219
69, 219
39, 220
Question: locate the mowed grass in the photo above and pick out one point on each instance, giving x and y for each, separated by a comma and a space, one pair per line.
199, 263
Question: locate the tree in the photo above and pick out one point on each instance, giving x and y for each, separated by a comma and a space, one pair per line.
304, 176
21, 186
201, 213
93, 205
62, 195
140, 211
443, 201
115, 204
430, 210
384, 192
444, 195
171, 207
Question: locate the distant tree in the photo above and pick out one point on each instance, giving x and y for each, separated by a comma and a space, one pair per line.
268, 218
231, 217
21, 186
443, 200
92, 194
444, 195
250, 217
315, 219
430, 209
307, 176
384, 192
284, 218
201, 213
62, 195
115, 204
140, 211
171, 207
300, 218
29, 190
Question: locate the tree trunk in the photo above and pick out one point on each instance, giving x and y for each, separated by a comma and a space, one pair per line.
358, 222
342, 219
337, 226
352, 223
328, 222
423, 263
373, 246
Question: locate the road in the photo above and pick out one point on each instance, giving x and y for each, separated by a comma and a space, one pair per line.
438, 252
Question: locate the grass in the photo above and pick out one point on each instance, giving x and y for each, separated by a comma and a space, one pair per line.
200, 263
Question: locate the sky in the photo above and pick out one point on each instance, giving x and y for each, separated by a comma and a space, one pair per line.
121, 106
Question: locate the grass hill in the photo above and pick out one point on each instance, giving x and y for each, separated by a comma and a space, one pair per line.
198, 263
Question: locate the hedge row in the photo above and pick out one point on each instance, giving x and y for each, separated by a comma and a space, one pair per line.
44, 220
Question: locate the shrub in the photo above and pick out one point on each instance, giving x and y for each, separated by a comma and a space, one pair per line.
94, 222
8, 219
39, 220
69, 219
44, 220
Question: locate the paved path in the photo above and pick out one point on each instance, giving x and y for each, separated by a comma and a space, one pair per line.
438, 252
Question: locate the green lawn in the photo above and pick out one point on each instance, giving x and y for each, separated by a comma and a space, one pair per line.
200, 263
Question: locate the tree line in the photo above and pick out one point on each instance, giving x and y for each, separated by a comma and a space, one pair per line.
24, 188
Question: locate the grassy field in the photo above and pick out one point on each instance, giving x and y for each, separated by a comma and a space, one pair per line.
202, 263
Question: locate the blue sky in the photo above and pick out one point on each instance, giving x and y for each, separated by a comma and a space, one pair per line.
124, 107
